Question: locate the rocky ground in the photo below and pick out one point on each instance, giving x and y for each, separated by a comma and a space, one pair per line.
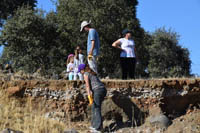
135, 106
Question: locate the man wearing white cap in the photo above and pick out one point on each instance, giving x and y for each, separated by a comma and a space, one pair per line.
93, 44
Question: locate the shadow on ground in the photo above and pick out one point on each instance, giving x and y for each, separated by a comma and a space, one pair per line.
120, 112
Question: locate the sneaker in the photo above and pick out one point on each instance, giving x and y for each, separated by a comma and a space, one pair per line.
95, 131
91, 128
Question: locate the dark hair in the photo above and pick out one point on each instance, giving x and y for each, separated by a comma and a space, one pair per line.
125, 31
88, 69
79, 47
89, 26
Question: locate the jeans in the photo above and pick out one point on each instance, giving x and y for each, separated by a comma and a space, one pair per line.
128, 67
93, 64
98, 97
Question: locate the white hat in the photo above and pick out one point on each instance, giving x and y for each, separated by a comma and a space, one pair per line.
83, 24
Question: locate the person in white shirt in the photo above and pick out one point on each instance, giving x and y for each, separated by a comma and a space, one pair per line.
127, 55
78, 59
70, 66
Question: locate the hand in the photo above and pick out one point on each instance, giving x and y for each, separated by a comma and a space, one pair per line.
90, 98
90, 57
90, 93
90, 53
76, 52
123, 50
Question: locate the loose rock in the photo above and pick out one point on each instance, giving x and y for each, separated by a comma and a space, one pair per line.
7, 130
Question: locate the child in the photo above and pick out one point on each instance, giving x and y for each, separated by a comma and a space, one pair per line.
78, 59
70, 66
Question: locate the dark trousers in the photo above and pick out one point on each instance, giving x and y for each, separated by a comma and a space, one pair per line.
98, 97
128, 67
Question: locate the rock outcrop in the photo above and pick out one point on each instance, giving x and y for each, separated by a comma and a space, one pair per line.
128, 103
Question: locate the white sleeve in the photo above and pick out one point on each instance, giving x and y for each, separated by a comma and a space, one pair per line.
121, 40
81, 58
68, 66
75, 62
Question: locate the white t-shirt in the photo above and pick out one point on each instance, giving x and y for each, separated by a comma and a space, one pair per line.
78, 62
128, 46
70, 67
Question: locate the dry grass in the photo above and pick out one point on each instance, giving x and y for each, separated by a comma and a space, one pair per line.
21, 116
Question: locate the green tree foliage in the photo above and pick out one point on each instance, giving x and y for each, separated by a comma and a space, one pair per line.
109, 18
7, 7
33, 40
30, 41
46, 41
167, 57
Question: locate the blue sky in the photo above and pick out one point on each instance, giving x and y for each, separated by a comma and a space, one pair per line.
183, 16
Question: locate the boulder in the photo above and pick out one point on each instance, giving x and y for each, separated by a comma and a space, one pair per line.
159, 120
119, 107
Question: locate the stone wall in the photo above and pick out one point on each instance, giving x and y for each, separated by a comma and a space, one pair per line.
129, 101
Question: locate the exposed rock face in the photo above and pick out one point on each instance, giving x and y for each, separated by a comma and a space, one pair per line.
127, 102
120, 108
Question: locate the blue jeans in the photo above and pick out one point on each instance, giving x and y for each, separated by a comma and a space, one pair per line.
98, 96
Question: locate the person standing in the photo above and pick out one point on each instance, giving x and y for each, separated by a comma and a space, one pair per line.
127, 55
95, 89
93, 44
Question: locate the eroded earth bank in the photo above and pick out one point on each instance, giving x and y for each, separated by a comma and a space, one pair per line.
157, 105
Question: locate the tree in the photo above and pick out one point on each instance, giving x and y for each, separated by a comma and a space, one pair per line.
8, 7
109, 17
167, 57
34, 40
30, 41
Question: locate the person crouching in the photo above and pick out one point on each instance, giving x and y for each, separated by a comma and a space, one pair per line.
95, 89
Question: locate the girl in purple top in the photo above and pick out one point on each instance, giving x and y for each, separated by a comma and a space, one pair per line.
96, 89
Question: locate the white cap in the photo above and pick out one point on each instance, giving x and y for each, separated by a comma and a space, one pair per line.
83, 24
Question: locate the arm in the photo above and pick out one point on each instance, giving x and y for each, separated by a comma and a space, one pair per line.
76, 54
87, 85
68, 69
82, 59
92, 48
116, 44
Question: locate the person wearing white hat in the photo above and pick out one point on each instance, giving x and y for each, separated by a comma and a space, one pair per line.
93, 44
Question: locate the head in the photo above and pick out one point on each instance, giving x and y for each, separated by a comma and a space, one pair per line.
79, 49
70, 58
82, 68
85, 26
127, 33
